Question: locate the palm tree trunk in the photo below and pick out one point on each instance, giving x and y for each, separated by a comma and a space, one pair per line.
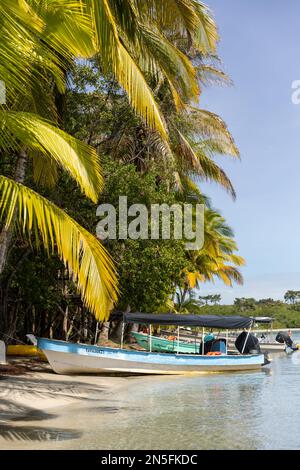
7, 233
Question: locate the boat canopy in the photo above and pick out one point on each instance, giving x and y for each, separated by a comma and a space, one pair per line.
208, 321
263, 320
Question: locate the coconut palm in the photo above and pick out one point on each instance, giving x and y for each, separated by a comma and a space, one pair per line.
39, 41
217, 258
196, 138
186, 301
137, 37
31, 60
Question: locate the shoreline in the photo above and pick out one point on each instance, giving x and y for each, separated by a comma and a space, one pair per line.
51, 389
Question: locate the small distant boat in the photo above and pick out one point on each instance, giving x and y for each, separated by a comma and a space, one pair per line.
70, 358
25, 350
160, 344
267, 340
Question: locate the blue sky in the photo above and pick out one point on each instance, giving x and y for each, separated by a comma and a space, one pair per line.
260, 50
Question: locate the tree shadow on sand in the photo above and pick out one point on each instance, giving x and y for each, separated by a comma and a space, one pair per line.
12, 412
33, 433
41, 388
14, 415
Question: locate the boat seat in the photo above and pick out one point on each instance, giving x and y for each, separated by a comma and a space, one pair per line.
219, 345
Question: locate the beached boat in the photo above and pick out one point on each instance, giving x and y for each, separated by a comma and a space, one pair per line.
71, 358
25, 350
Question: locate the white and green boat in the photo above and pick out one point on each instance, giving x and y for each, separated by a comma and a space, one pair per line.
160, 344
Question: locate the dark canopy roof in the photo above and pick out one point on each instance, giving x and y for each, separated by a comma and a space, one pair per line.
263, 319
208, 321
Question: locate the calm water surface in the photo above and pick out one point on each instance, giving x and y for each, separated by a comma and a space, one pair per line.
255, 410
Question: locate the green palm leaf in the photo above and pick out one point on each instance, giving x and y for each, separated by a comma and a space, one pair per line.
68, 28
199, 164
77, 158
116, 58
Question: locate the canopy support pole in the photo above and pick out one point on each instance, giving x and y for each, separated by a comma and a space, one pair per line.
202, 341
178, 339
122, 334
246, 339
96, 333
150, 337
226, 342
271, 332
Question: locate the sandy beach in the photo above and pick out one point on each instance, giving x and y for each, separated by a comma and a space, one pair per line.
31, 393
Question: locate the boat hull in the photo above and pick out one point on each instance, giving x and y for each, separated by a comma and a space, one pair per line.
70, 358
265, 347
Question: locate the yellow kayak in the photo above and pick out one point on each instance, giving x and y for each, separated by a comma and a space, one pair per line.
25, 350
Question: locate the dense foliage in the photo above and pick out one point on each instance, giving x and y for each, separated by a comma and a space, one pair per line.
133, 72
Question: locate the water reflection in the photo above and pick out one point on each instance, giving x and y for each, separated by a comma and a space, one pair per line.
190, 413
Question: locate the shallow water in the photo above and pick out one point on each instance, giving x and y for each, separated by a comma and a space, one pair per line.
255, 410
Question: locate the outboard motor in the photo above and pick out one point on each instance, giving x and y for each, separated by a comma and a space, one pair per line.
283, 338
251, 346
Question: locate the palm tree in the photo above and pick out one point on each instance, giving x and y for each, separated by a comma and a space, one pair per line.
186, 302
217, 258
174, 43
31, 60
39, 41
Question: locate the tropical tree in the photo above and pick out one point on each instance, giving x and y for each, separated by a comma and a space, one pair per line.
39, 41
292, 296
213, 299
30, 61
123, 138
217, 258
187, 302
243, 304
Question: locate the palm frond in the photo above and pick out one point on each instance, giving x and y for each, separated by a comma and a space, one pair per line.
206, 35
210, 75
117, 59
189, 19
90, 264
173, 64
214, 173
188, 159
77, 158
17, 44
208, 124
200, 165
229, 274
45, 172
193, 278
68, 28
